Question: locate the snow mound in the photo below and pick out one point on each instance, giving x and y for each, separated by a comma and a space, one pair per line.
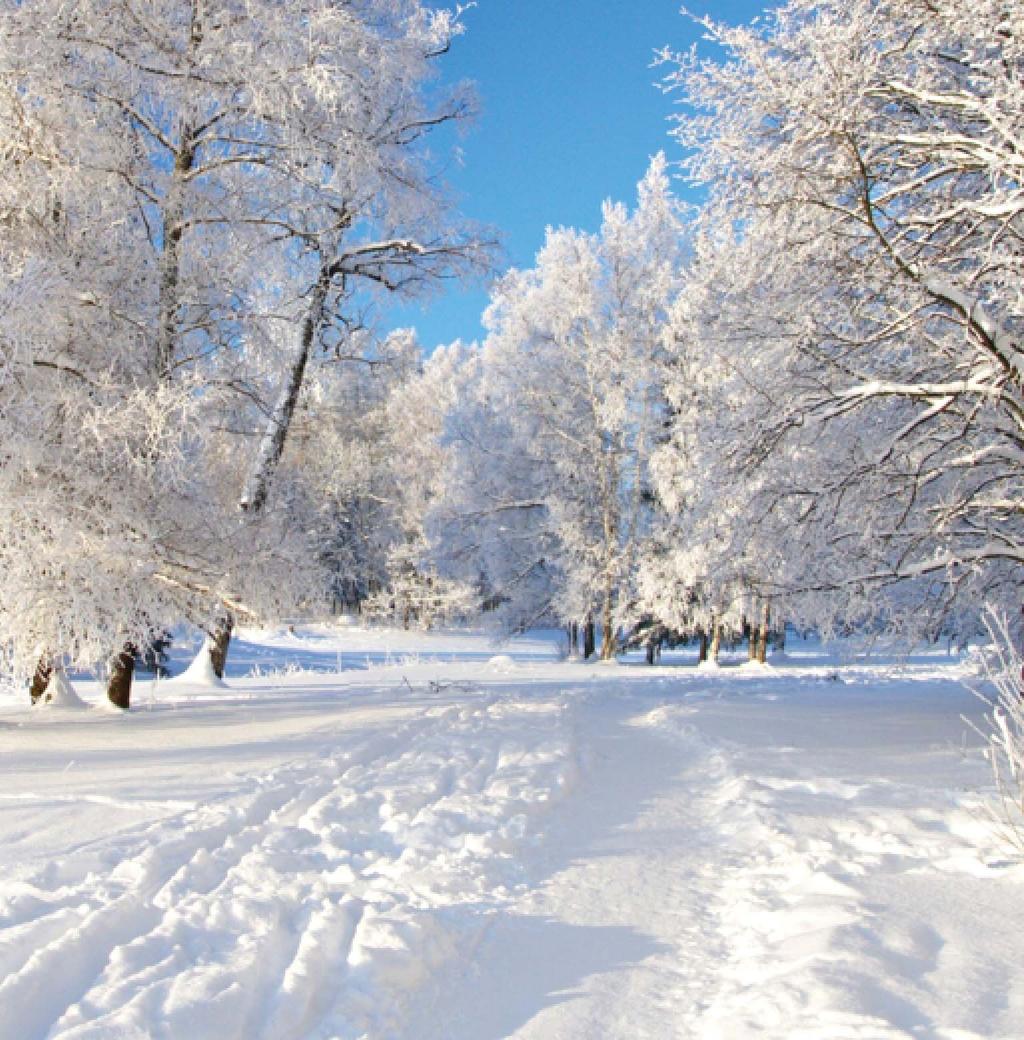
501, 663
200, 672
60, 694
671, 720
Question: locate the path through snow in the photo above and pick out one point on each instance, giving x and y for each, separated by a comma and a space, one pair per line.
613, 933
446, 849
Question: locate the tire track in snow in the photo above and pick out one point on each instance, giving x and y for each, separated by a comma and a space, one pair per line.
305, 902
130, 905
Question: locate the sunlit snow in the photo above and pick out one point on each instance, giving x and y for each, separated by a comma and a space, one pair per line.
383, 834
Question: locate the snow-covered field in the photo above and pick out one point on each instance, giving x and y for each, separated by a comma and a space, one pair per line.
395, 835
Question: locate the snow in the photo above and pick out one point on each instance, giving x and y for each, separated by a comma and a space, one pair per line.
60, 693
406, 835
200, 672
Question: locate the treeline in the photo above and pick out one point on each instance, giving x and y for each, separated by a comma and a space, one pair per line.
803, 400
800, 401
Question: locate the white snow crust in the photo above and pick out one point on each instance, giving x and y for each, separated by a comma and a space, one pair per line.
370, 835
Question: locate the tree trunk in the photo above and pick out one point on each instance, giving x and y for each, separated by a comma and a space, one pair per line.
716, 640
275, 433
119, 684
609, 643
220, 641
702, 648
170, 260
41, 678
574, 638
651, 649
257, 487
762, 642
751, 632
588, 639
174, 223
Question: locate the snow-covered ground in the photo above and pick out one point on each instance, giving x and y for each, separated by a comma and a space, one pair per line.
398, 835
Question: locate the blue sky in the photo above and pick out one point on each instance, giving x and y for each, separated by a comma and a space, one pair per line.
570, 115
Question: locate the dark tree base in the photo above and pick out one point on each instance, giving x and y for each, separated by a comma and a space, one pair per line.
41, 679
119, 685
220, 642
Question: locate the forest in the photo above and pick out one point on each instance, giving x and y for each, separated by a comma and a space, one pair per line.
798, 402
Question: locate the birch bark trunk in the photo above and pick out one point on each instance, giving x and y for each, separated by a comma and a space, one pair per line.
762, 641
608, 641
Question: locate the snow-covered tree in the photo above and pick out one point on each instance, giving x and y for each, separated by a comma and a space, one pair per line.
366, 438
553, 441
416, 411
485, 526
236, 170
861, 307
